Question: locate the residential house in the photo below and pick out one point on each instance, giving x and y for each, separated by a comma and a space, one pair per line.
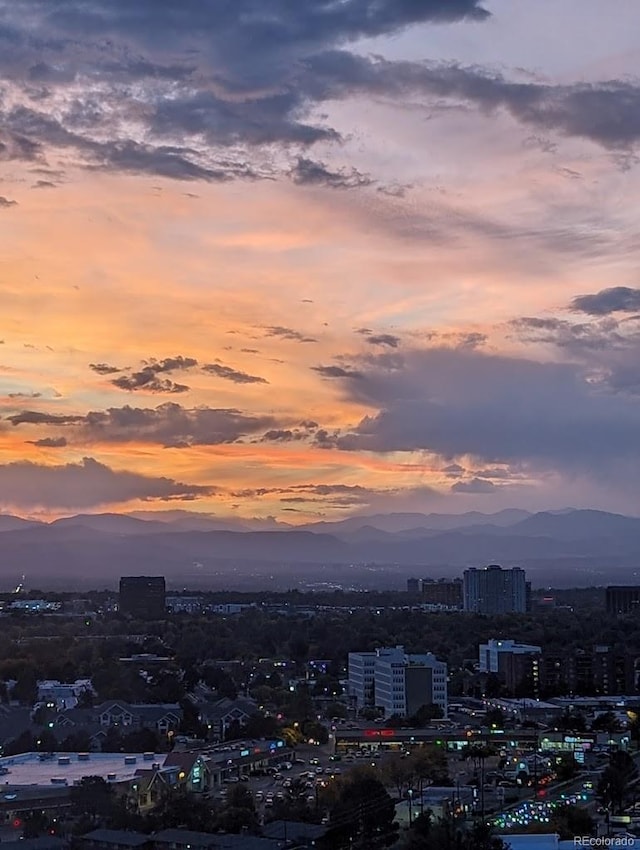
220, 715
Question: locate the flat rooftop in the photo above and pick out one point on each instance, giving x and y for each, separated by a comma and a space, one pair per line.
32, 769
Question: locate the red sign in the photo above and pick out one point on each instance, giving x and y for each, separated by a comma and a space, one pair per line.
379, 733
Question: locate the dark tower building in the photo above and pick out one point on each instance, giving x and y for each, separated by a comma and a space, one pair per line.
623, 599
143, 596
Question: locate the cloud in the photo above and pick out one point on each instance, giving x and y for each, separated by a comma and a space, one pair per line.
342, 495
84, 485
34, 417
185, 94
453, 470
336, 372
474, 486
174, 77
169, 425
576, 337
229, 374
104, 368
496, 409
50, 442
283, 435
5, 203
607, 348
147, 379
307, 172
617, 299
288, 333
384, 339
606, 113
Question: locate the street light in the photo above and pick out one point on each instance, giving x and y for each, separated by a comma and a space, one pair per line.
410, 793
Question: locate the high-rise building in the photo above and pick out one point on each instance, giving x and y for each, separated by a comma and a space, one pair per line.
492, 590
143, 596
623, 599
515, 663
396, 681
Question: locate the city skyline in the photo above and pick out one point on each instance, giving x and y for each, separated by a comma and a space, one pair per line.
318, 261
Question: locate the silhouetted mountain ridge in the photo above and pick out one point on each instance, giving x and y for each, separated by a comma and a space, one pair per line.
101, 547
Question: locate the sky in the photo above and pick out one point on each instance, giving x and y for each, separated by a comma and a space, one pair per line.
306, 259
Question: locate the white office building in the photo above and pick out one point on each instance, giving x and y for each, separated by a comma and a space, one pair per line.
362, 678
396, 681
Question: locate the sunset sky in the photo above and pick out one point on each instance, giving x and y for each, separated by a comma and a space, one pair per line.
313, 258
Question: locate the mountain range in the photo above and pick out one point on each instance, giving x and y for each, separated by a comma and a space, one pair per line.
564, 548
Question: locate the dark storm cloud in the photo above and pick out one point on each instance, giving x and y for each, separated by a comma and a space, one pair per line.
168, 425
229, 374
121, 155
147, 379
336, 372
474, 486
607, 113
283, 435
306, 172
34, 417
498, 409
5, 202
50, 442
220, 72
617, 299
198, 78
384, 339
288, 333
454, 470
607, 348
104, 368
576, 337
86, 484
149, 382
171, 424
16, 147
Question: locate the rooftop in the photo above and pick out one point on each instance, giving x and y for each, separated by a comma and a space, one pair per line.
33, 769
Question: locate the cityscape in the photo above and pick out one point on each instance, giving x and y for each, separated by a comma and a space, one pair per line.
319, 424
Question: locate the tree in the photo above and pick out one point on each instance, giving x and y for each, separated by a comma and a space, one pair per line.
430, 763
495, 717
35, 823
178, 808
605, 722
363, 810
93, 798
572, 820
25, 689
239, 812
566, 767
572, 721
615, 780
399, 772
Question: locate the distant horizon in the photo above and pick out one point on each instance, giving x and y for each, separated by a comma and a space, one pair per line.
151, 513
